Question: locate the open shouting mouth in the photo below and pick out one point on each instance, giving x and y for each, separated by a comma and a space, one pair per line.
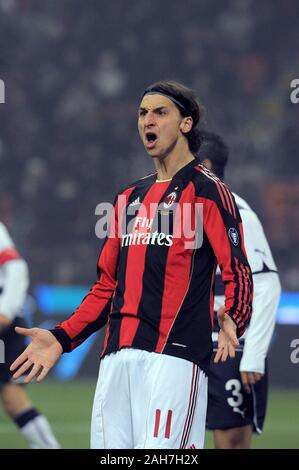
150, 139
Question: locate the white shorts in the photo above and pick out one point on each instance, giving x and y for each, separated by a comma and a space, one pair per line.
148, 400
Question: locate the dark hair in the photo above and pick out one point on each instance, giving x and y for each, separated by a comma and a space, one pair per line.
213, 148
185, 100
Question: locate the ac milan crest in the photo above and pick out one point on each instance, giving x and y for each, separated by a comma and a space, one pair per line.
170, 199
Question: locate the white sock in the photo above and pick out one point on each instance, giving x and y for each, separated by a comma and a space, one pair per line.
36, 429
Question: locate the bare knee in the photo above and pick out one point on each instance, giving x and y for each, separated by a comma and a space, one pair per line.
14, 399
235, 438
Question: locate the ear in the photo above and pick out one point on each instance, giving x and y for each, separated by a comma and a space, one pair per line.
207, 163
186, 124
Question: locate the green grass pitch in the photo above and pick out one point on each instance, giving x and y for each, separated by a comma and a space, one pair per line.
68, 407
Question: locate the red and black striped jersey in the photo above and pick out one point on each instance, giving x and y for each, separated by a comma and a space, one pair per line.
156, 269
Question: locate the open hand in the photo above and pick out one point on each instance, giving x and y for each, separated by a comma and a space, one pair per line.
42, 354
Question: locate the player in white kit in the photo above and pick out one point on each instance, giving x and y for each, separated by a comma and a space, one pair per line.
14, 280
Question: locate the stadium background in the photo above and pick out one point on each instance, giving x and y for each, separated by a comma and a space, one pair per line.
73, 73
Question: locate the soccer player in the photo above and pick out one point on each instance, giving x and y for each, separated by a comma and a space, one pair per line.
14, 282
155, 290
238, 389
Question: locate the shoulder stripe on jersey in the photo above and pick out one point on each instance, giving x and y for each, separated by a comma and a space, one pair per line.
231, 201
204, 172
224, 193
223, 196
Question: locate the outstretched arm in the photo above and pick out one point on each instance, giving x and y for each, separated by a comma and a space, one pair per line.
41, 355
92, 314
47, 346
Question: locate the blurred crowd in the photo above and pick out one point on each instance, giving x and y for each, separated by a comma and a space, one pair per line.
74, 72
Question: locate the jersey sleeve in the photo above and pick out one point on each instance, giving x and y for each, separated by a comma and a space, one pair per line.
266, 294
257, 247
14, 277
14, 288
92, 314
8, 251
223, 227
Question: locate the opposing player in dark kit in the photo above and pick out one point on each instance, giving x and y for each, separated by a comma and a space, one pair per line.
238, 388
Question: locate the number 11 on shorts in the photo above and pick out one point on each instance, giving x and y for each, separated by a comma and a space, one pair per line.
157, 424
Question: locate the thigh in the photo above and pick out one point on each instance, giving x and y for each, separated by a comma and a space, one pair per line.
170, 404
14, 399
234, 438
111, 426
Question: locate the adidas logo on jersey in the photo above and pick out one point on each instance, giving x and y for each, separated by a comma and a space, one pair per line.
135, 202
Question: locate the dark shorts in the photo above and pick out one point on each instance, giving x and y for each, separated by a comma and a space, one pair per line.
13, 345
229, 406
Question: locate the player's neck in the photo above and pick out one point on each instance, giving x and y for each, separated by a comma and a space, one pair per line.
168, 166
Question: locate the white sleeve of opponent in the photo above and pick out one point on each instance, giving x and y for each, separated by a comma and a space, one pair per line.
265, 302
266, 294
15, 285
14, 277
5, 240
